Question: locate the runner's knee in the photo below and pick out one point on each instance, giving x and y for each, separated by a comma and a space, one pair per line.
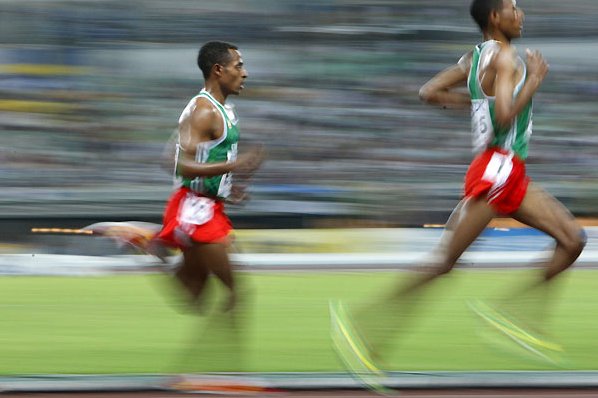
582, 238
575, 241
444, 267
444, 270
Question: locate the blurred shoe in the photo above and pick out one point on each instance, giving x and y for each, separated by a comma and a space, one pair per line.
136, 234
353, 350
508, 326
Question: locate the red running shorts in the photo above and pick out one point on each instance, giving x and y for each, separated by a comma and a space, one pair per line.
499, 177
190, 217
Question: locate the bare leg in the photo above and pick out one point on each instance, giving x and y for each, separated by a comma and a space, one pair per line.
220, 345
213, 258
464, 227
193, 275
450, 225
380, 321
542, 211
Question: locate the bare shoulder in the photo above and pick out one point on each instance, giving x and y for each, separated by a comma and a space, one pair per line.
504, 57
204, 111
465, 61
205, 119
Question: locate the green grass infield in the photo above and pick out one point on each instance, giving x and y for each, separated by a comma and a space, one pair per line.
140, 324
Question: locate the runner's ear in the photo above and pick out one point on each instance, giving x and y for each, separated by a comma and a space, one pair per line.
217, 70
493, 18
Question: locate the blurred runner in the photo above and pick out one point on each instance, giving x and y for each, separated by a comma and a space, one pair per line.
205, 157
500, 88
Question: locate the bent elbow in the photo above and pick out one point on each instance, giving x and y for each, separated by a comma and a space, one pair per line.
425, 94
503, 116
183, 170
182, 173
503, 121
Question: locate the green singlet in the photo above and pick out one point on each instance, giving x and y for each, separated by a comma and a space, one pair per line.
486, 131
223, 149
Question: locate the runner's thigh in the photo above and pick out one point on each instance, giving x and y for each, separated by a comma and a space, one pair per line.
544, 212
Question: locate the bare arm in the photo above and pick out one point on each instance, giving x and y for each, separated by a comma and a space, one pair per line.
505, 107
190, 169
441, 89
246, 163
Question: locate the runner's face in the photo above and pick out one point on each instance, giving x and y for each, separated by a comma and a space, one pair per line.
511, 19
234, 73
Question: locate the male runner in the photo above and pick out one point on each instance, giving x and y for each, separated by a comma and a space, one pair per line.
204, 149
501, 86
205, 159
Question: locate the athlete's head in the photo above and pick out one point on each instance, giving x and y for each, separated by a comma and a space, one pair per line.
498, 15
222, 61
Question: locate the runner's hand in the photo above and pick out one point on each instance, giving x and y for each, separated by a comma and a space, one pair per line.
238, 195
536, 65
249, 161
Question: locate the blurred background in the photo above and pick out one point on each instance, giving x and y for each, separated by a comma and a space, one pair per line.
90, 92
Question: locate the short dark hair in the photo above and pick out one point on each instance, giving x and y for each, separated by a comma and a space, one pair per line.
480, 11
212, 53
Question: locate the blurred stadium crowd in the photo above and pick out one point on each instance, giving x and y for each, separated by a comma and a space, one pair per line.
90, 92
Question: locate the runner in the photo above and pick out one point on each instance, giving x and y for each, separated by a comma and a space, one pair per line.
501, 86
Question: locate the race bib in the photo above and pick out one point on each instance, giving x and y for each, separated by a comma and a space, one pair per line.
481, 124
196, 210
